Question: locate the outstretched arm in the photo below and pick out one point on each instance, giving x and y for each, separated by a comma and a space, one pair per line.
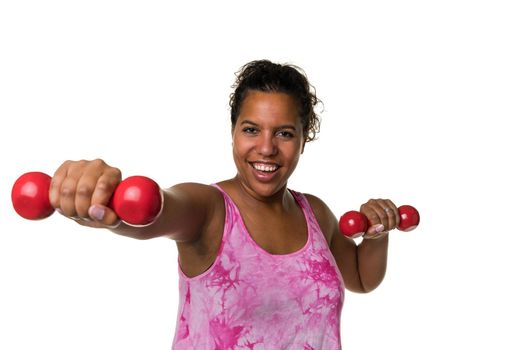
82, 190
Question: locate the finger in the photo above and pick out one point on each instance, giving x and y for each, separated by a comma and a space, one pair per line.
67, 193
394, 217
375, 229
104, 189
369, 212
103, 215
56, 184
105, 186
387, 213
90, 223
74, 218
381, 211
374, 212
84, 192
67, 196
376, 235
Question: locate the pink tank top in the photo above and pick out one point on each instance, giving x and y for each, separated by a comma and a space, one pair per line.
251, 299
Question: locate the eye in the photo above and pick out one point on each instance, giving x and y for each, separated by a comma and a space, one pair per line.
285, 134
249, 130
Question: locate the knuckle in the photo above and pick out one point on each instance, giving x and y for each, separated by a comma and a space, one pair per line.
114, 173
103, 186
84, 190
79, 164
75, 166
117, 172
62, 168
98, 163
67, 192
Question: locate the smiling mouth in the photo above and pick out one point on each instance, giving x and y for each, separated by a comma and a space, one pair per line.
264, 167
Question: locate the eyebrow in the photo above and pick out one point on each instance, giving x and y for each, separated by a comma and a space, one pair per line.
285, 126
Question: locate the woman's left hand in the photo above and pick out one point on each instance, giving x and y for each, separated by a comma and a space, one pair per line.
382, 215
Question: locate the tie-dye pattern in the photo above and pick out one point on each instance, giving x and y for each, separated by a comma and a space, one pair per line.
250, 299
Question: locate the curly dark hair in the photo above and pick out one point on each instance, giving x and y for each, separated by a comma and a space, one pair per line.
266, 76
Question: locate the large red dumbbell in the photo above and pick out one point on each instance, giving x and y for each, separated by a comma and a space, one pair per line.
137, 200
355, 224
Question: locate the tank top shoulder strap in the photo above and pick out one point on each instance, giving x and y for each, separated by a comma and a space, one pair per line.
304, 204
231, 211
308, 210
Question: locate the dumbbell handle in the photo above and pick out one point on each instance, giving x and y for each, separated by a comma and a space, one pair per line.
354, 223
137, 200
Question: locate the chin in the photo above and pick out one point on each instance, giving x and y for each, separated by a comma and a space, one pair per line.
268, 190
261, 189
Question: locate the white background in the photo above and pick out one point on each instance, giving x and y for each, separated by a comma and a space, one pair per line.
422, 100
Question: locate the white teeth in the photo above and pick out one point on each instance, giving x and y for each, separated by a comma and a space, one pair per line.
265, 167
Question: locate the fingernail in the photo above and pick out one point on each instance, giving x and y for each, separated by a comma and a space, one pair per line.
379, 228
96, 213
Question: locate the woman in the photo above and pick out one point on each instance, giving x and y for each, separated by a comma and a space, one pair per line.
261, 266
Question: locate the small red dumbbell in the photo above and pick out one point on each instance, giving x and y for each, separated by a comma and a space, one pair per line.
355, 224
137, 200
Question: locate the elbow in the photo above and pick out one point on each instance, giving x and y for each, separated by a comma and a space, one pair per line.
369, 289
364, 285
369, 286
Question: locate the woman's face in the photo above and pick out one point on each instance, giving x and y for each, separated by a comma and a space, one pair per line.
268, 139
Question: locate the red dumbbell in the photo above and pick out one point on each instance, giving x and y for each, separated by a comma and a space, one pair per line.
137, 200
355, 224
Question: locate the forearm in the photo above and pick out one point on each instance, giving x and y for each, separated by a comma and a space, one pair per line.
372, 262
179, 219
161, 226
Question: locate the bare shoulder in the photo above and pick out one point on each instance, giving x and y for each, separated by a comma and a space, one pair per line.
198, 249
325, 217
195, 207
196, 193
199, 195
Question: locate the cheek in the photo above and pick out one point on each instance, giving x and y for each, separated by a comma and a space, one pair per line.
293, 151
240, 148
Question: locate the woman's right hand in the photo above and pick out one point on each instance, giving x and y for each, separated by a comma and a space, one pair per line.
81, 190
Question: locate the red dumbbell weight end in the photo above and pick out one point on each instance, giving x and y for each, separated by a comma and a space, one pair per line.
409, 218
137, 200
355, 224
30, 196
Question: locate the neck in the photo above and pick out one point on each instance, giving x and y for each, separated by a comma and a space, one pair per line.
279, 201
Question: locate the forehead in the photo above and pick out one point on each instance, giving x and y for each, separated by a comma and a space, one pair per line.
274, 107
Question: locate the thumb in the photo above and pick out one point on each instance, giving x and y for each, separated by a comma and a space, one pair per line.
103, 215
375, 231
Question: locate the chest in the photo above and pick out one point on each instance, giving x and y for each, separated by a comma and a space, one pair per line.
277, 234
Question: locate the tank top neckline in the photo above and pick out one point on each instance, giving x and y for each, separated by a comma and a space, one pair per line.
300, 203
229, 204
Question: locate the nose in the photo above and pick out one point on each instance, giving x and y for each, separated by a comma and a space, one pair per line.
266, 145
